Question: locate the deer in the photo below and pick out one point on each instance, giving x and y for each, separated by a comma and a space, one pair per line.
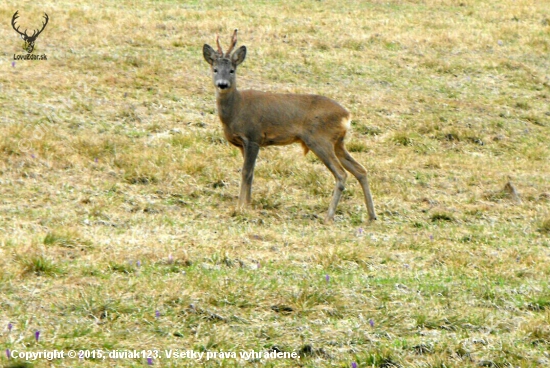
252, 119
29, 40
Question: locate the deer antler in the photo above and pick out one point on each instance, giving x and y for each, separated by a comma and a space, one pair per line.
35, 34
233, 43
220, 51
13, 19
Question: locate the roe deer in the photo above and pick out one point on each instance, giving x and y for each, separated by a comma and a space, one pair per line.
253, 119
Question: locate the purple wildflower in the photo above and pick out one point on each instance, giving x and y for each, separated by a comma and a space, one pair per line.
327, 277
138, 263
10, 327
353, 365
360, 231
8, 353
371, 322
37, 335
13, 64
431, 237
157, 313
149, 361
95, 160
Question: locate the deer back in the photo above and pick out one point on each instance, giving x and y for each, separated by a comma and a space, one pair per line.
272, 118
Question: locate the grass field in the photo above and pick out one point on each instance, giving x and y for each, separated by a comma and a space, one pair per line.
118, 228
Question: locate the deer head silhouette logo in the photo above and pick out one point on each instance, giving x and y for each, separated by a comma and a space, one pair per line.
29, 40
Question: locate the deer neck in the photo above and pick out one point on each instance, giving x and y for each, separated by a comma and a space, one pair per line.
228, 104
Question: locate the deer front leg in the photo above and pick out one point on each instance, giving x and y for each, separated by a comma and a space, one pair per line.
250, 153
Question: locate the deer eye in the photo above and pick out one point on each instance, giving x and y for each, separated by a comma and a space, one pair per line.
232, 71
215, 70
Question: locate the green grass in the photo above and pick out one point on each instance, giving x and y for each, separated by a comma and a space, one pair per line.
118, 228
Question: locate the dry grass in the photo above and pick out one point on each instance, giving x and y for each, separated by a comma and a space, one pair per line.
118, 190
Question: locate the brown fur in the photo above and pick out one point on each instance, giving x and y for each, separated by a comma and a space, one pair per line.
253, 119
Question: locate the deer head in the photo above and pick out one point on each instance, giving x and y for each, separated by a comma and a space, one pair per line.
29, 40
224, 65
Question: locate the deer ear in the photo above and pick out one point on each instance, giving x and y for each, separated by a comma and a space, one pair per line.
209, 54
239, 55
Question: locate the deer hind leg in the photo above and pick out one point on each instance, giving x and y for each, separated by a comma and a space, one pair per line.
359, 172
326, 154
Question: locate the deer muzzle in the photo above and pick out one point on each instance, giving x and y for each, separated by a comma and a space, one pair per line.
223, 84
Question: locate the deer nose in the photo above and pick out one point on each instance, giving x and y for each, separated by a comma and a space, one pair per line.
222, 84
